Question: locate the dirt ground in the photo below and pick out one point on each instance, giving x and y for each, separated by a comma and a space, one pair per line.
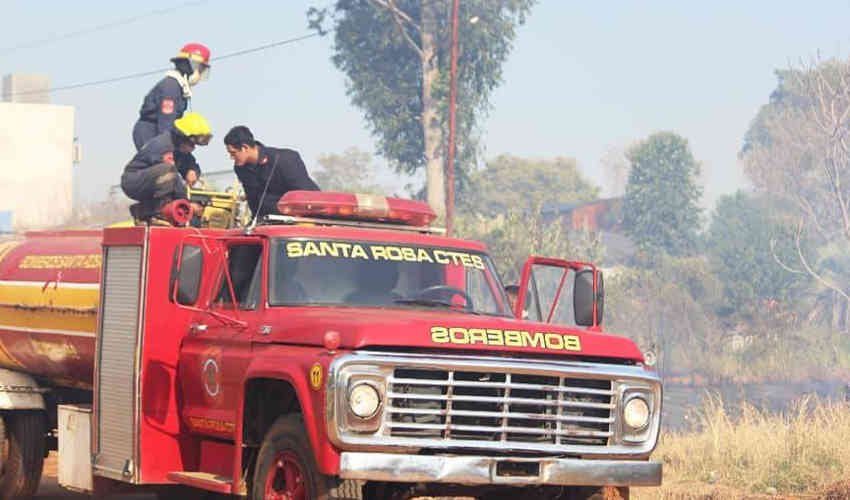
50, 490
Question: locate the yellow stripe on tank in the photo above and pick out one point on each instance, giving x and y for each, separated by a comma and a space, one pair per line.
70, 295
48, 321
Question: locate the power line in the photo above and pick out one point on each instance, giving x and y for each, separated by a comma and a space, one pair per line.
161, 70
129, 20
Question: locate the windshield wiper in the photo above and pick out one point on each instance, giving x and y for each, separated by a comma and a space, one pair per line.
434, 303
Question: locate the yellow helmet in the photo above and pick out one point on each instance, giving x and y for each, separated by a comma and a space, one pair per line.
195, 127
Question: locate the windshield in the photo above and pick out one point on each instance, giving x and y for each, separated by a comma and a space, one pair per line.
356, 273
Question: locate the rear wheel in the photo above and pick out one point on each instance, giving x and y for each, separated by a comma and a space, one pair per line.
286, 468
23, 453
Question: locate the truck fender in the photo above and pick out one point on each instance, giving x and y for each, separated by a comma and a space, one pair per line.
19, 391
326, 457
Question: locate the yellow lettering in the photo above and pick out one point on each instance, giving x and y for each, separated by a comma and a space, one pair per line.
345, 247
409, 254
357, 252
439, 335
60, 262
464, 335
379, 252
572, 343
495, 337
310, 248
394, 253
466, 260
329, 249
423, 256
440, 256
477, 262
528, 340
551, 339
477, 335
513, 338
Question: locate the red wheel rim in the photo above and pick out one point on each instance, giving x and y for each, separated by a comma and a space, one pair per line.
285, 479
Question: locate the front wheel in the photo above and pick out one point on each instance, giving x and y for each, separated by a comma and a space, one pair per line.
23, 454
286, 468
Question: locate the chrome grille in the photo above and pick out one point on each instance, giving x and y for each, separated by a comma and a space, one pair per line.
466, 405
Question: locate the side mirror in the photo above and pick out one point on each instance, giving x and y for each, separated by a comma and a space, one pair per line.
186, 275
584, 299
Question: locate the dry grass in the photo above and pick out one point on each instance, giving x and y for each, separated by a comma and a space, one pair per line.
755, 454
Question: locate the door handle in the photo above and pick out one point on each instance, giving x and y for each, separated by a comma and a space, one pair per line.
196, 328
264, 330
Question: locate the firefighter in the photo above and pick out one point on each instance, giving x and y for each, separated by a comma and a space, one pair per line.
168, 100
152, 177
266, 173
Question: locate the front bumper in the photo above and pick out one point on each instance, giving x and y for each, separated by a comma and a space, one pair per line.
468, 470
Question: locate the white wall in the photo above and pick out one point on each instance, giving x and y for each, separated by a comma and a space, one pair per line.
36, 144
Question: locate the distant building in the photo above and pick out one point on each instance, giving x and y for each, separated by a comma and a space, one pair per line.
26, 88
601, 216
36, 156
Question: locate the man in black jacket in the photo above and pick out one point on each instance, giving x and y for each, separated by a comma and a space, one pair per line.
266, 173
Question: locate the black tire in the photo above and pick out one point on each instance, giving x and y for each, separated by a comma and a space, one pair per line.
21, 471
286, 442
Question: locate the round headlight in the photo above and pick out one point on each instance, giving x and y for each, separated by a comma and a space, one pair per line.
364, 400
636, 413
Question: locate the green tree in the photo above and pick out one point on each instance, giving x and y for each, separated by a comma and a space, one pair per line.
395, 55
747, 242
660, 209
523, 184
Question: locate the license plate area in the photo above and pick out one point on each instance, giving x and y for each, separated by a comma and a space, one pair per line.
517, 469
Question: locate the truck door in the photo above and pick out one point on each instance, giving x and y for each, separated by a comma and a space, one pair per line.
217, 349
561, 292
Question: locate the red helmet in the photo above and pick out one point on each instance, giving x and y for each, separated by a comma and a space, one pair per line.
198, 56
194, 52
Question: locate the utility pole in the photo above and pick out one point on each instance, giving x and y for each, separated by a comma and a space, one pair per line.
450, 157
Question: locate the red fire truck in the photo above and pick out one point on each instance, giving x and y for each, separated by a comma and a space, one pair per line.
342, 350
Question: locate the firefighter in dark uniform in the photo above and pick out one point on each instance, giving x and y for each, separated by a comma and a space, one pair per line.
169, 99
266, 173
152, 177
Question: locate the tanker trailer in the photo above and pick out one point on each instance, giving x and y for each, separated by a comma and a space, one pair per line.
49, 289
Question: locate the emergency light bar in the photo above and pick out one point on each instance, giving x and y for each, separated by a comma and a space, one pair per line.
364, 207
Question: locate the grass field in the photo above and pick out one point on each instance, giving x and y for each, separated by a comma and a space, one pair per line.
804, 453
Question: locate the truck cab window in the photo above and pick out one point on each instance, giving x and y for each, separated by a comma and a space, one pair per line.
188, 279
245, 266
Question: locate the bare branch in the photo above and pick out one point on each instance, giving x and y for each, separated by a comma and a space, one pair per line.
391, 6
808, 268
398, 15
779, 261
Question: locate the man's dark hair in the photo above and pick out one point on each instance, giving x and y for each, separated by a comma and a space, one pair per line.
512, 289
240, 136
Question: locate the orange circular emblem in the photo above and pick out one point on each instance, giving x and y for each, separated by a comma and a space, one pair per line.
316, 376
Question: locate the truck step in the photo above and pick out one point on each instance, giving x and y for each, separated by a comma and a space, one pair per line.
203, 480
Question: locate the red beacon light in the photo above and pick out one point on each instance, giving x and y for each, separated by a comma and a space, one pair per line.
365, 207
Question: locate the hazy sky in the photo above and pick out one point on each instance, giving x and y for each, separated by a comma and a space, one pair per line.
583, 77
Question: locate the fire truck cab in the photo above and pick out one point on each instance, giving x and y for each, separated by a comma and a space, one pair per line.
347, 350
